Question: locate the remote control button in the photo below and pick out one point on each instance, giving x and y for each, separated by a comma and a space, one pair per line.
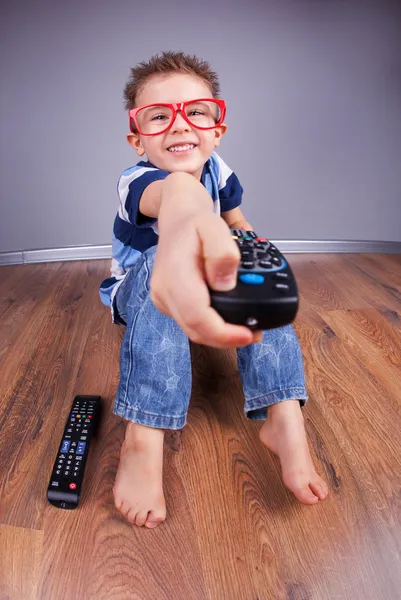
55, 483
261, 246
246, 253
261, 254
252, 279
89, 417
266, 264
276, 260
252, 234
65, 446
282, 286
81, 447
73, 486
247, 264
261, 239
251, 322
280, 275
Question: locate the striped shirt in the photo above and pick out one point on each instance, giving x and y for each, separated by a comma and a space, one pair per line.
133, 232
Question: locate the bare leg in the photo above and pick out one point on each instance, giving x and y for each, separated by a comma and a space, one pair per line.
138, 489
284, 434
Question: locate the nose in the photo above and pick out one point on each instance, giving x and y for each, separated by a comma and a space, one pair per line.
180, 123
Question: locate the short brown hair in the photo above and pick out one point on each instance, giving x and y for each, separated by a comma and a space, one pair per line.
169, 62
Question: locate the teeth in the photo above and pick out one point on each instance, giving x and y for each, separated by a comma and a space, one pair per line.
181, 148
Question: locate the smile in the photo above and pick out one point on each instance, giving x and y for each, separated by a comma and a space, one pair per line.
183, 148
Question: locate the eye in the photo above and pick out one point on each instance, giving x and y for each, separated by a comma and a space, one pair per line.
195, 112
158, 117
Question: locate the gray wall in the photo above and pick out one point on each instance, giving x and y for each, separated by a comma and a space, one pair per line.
317, 151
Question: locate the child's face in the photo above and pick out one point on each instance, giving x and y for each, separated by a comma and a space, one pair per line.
177, 87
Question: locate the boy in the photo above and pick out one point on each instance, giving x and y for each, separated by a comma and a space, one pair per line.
171, 238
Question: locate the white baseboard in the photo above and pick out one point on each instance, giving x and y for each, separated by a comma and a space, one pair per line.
286, 246
55, 254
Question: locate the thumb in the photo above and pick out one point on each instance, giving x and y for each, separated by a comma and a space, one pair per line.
221, 254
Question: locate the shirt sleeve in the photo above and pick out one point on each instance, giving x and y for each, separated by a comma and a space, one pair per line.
131, 186
231, 194
230, 189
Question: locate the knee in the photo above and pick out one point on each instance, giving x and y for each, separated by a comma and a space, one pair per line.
285, 332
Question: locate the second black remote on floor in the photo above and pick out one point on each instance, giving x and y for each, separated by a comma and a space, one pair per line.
65, 483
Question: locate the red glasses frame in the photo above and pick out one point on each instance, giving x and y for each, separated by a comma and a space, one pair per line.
177, 106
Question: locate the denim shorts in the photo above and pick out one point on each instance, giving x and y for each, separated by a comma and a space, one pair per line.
155, 362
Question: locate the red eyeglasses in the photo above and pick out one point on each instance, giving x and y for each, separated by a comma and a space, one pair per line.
153, 119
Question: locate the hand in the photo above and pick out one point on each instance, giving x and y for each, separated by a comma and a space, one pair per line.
201, 252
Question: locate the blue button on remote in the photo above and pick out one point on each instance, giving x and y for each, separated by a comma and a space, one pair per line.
251, 279
81, 447
66, 446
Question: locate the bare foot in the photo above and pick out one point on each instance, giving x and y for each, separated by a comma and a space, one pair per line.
138, 488
284, 434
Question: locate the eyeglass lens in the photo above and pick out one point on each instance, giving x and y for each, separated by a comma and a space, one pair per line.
156, 118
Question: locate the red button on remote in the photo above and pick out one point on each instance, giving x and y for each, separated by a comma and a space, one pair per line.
72, 486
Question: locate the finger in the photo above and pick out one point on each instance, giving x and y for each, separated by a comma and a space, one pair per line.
221, 255
257, 337
212, 330
202, 324
192, 311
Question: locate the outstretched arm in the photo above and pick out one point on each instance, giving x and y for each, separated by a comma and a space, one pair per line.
236, 220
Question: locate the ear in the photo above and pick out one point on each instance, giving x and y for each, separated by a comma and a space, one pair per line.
134, 140
219, 132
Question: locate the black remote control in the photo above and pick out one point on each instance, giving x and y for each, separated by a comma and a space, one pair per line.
68, 472
266, 294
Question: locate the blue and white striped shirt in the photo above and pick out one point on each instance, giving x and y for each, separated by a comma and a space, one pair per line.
133, 232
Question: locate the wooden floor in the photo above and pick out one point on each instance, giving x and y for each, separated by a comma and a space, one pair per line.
233, 531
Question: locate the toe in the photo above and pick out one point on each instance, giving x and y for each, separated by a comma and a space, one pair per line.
299, 486
319, 488
130, 515
152, 524
117, 499
155, 517
141, 517
305, 495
